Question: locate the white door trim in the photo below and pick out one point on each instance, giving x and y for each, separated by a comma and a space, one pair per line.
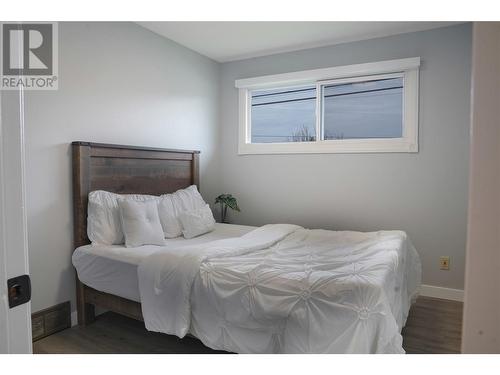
4, 307
15, 323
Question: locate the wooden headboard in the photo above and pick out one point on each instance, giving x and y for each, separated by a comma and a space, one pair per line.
126, 170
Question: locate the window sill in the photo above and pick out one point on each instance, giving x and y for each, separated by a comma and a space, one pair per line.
344, 146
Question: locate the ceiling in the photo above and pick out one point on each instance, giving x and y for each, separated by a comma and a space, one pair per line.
229, 41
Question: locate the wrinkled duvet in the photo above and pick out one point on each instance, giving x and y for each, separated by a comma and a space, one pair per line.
285, 289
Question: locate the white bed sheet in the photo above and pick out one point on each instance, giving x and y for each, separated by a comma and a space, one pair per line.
113, 268
285, 289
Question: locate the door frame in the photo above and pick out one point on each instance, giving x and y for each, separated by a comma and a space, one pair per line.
15, 323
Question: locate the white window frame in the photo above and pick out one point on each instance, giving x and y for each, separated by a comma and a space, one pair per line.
406, 68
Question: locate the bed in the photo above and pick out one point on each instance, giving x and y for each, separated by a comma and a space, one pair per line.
273, 289
113, 269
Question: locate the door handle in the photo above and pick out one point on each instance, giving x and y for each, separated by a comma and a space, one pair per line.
19, 290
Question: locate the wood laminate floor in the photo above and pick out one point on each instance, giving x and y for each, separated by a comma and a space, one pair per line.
433, 326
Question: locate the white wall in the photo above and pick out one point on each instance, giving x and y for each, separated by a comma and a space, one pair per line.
119, 83
481, 328
424, 194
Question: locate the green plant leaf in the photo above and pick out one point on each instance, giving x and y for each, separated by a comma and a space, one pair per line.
229, 201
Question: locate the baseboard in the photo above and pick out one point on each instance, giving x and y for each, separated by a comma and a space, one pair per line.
440, 292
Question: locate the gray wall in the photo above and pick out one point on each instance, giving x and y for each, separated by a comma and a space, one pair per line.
424, 194
119, 83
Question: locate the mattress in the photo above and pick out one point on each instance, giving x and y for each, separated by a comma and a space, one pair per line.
113, 268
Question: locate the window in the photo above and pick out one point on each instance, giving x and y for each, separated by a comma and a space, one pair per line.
366, 109
284, 115
358, 108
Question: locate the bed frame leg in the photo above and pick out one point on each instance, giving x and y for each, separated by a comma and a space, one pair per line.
86, 311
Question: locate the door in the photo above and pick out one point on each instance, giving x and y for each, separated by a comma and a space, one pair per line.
15, 322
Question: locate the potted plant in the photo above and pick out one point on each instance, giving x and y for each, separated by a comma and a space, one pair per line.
225, 201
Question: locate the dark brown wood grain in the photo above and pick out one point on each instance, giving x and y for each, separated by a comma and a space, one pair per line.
114, 303
81, 189
124, 170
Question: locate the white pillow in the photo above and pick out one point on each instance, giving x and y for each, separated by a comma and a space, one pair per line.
103, 220
197, 222
187, 199
168, 217
172, 205
141, 223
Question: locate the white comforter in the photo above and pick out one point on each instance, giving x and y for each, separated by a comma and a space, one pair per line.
285, 289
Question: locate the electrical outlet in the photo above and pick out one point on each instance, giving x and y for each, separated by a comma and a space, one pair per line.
444, 263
